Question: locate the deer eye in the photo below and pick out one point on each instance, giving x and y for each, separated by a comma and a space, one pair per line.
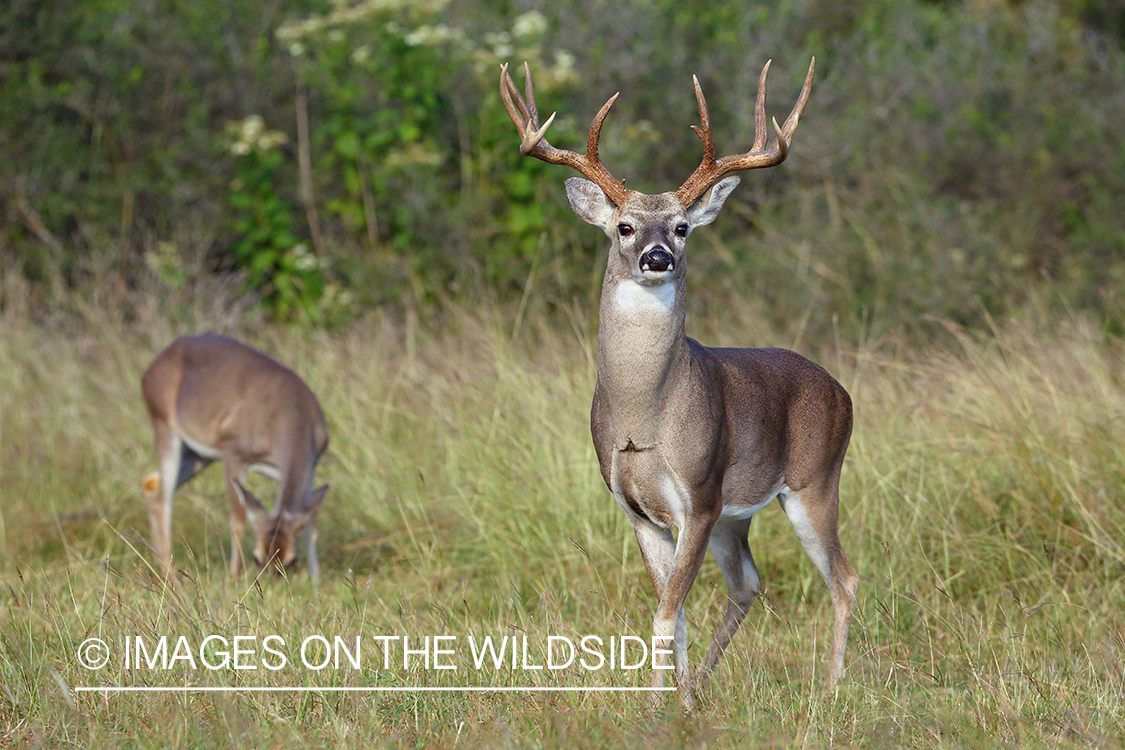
681, 230
625, 230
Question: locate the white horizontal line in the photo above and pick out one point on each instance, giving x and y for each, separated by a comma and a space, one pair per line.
361, 689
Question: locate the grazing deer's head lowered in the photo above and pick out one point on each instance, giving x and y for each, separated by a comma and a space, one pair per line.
687, 436
211, 397
275, 534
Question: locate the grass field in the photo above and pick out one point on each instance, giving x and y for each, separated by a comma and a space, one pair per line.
983, 500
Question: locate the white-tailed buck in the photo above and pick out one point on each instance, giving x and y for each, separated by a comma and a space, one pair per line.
687, 436
211, 397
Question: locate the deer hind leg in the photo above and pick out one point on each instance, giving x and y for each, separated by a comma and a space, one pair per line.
731, 548
813, 513
159, 520
178, 464
160, 488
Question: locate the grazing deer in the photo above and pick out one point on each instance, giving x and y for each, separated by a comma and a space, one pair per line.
211, 397
687, 436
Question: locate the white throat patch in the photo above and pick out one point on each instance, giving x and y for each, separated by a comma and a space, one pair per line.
633, 297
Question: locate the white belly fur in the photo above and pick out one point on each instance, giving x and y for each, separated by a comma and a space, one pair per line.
266, 470
205, 451
213, 454
732, 513
743, 513
677, 502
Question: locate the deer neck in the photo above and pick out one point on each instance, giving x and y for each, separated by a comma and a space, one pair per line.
642, 353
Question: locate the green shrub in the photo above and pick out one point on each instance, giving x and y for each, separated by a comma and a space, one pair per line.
953, 156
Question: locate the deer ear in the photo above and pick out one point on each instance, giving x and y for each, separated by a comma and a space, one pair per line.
704, 210
246, 497
313, 501
589, 202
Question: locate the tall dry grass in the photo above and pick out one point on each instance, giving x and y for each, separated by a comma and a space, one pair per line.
982, 501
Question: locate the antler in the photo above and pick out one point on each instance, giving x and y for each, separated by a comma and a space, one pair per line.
710, 170
526, 119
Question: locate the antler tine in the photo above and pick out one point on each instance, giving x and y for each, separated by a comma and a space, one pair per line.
710, 169
530, 93
760, 110
596, 129
782, 143
516, 110
523, 112
533, 142
704, 133
799, 108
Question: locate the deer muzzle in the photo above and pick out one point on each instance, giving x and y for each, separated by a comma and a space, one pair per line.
657, 260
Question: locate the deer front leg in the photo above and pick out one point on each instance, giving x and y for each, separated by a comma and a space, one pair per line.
658, 549
310, 546
237, 523
691, 547
673, 567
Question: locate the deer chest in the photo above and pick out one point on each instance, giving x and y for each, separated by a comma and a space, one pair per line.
643, 485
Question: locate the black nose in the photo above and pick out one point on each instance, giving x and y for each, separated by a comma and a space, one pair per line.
657, 259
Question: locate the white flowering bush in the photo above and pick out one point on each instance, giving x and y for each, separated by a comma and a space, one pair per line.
250, 134
278, 265
408, 132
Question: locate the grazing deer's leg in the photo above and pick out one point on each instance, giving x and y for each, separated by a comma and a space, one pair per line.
159, 497
310, 546
161, 539
731, 549
813, 513
178, 464
237, 521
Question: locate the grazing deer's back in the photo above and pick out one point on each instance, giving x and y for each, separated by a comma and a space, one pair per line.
226, 372
213, 398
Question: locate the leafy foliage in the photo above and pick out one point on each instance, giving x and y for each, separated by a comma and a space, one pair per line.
953, 155
274, 260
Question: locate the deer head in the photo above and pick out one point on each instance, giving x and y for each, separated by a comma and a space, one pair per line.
648, 232
275, 534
